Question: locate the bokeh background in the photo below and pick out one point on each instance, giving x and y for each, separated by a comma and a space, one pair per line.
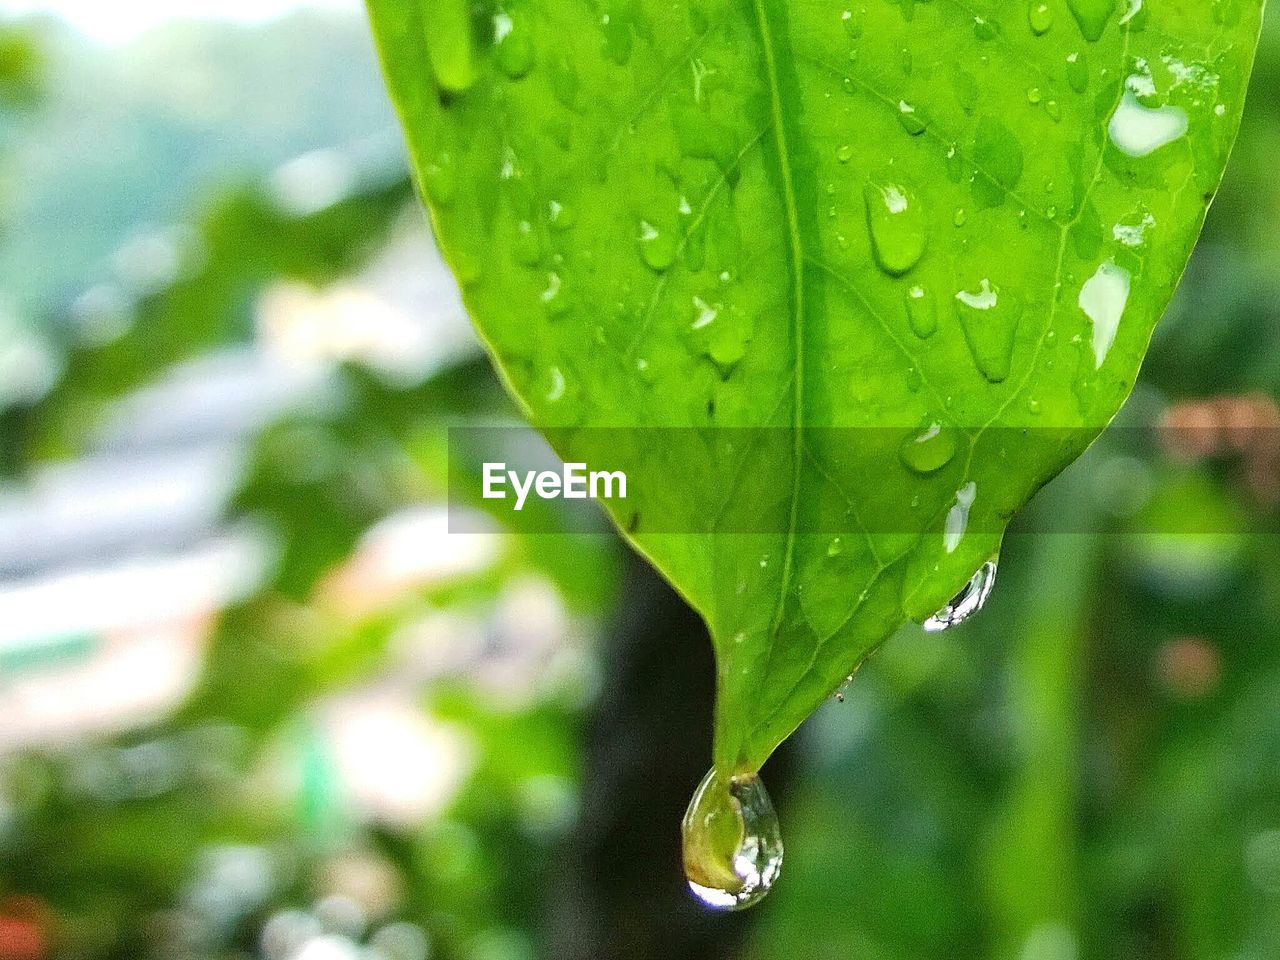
256, 700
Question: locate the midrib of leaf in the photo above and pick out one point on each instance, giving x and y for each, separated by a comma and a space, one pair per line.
796, 254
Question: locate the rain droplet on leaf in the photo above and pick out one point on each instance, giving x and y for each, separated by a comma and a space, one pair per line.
929, 450
910, 119
1040, 17
449, 47
658, 247
1138, 130
922, 312
990, 324
1103, 299
1092, 16
897, 225
957, 522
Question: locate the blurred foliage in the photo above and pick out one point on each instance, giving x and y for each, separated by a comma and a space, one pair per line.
1091, 769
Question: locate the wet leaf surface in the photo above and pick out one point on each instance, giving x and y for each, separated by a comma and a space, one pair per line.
924, 243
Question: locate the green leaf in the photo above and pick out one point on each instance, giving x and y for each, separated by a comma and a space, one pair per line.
915, 249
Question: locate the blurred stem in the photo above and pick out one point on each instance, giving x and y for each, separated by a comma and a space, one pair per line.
1033, 858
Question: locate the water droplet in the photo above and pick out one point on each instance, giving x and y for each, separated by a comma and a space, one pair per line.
1135, 16
835, 547
440, 178
1092, 16
705, 313
845, 153
960, 218
449, 47
1033, 95
957, 522
564, 82
1103, 299
514, 48
965, 603
617, 37
910, 119
554, 385
1138, 130
897, 224
954, 164
527, 248
922, 312
1040, 17
990, 323
552, 290
1078, 72
929, 450
732, 845
852, 23
656, 246
984, 29
1053, 110
560, 215
1133, 234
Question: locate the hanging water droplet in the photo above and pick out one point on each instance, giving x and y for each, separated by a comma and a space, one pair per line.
732, 845
929, 450
922, 312
656, 246
967, 602
1040, 17
897, 225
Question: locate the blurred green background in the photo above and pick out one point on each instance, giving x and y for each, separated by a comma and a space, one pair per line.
256, 700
